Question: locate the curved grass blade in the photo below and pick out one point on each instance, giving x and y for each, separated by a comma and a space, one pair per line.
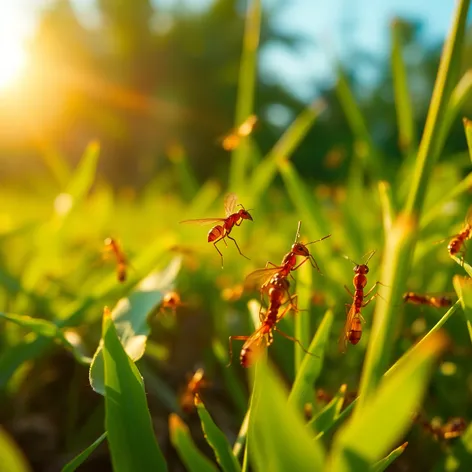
217, 440
323, 421
387, 415
386, 203
463, 288
278, 438
130, 317
468, 133
310, 368
83, 456
465, 265
302, 318
382, 465
133, 445
13, 459
180, 438
49, 330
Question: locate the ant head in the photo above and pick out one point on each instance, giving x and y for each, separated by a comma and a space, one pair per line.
299, 249
244, 214
361, 268
406, 296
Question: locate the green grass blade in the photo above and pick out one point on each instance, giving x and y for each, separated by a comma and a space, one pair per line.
13, 460
242, 435
463, 288
310, 368
468, 134
404, 108
130, 317
322, 422
47, 329
180, 438
265, 172
382, 465
246, 90
217, 440
466, 266
133, 445
83, 456
281, 441
386, 203
302, 318
365, 439
433, 138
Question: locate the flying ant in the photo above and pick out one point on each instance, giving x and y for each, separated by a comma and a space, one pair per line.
221, 231
171, 300
457, 244
431, 300
453, 428
352, 330
111, 245
196, 383
232, 140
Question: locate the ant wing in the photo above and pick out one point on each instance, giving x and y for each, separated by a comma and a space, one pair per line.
246, 127
230, 203
343, 338
259, 277
203, 221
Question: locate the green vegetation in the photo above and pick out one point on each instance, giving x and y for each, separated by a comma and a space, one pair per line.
56, 332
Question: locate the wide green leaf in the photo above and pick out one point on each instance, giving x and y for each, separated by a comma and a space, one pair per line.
133, 445
130, 317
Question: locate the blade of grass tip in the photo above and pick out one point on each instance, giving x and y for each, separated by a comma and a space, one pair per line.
53, 159
402, 239
386, 203
311, 365
463, 288
265, 172
323, 421
246, 90
13, 459
431, 214
468, 134
382, 465
131, 438
431, 141
217, 440
366, 151
400, 361
365, 439
77, 461
404, 108
183, 443
281, 441
242, 434
302, 318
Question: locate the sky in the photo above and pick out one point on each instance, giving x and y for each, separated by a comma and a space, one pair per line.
327, 25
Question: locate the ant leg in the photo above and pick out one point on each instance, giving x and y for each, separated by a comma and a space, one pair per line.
270, 263
301, 263
295, 340
230, 342
228, 236
348, 291
373, 286
219, 252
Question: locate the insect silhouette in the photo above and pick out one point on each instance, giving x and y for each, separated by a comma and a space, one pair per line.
263, 336
453, 428
233, 139
262, 277
423, 299
222, 230
111, 245
193, 387
457, 244
352, 330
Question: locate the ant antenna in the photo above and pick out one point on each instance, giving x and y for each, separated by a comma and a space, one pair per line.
349, 259
370, 256
318, 240
297, 236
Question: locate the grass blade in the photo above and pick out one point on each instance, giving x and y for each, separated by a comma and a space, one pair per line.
386, 203
217, 440
180, 437
83, 456
281, 441
310, 368
468, 135
283, 149
405, 118
382, 465
246, 90
322, 422
133, 445
365, 439
463, 287
13, 459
